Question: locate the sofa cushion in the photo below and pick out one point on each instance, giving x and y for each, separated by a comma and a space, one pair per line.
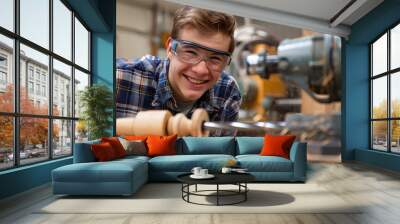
83, 152
103, 151
277, 145
134, 147
257, 163
116, 144
206, 145
161, 145
118, 177
135, 137
185, 163
111, 171
249, 145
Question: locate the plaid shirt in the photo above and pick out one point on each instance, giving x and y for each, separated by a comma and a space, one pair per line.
143, 85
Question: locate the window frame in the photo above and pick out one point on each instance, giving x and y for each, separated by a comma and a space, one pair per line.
51, 118
388, 74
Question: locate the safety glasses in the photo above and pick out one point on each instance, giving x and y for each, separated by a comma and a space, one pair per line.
193, 53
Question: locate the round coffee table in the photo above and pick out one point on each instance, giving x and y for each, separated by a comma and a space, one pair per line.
238, 179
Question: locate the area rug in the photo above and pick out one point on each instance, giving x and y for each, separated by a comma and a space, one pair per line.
167, 198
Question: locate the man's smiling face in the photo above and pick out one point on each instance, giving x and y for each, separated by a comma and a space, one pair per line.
190, 81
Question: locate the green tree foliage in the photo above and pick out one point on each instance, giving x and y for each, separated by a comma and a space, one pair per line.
96, 102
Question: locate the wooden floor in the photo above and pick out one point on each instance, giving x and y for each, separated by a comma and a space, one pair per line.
378, 189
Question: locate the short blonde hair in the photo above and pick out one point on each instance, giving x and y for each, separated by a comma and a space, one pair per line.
205, 21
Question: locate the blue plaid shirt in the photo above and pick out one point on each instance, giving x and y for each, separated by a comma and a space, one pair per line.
143, 85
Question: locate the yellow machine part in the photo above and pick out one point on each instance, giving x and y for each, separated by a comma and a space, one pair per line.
274, 86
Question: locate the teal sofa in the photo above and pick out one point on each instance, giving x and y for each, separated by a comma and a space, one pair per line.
125, 176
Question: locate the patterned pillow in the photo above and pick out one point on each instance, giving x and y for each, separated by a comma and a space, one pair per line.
134, 147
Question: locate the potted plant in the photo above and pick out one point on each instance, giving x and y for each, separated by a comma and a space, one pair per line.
96, 102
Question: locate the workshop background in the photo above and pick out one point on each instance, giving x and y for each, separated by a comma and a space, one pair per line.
143, 27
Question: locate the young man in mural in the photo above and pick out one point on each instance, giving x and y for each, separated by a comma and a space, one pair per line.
192, 76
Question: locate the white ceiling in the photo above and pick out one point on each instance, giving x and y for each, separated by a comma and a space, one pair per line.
323, 9
324, 16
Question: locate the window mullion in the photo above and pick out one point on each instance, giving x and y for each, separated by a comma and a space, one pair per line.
50, 81
16, 84
73, 82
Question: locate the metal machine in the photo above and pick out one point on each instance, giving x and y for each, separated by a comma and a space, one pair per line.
311, 63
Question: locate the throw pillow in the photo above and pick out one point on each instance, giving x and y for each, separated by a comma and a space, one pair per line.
135, 137
103, 151
161, 145
277, 145
136, 147
117, 146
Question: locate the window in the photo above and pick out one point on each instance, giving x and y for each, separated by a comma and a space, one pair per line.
62, 30
30, 72
62, 74
37, 74
41, 83
81, 45
38, 89
3, 61
3, 72
385, 94
30, 87
43, 90
34, 26
7, 14
7, 86
3, 80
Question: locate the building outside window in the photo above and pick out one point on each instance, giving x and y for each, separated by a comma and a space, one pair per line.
44, 77
37, 75
57, 128
30, 87
3, 72
30, 72
3, 81
3, 78
38, 89
43, 90
385, 92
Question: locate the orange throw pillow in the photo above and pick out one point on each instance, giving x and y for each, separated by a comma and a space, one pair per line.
103, 151
116, 145
161, 145
135, 137
277, 145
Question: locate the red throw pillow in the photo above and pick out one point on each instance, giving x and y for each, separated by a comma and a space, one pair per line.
161, 145
116, 145
103, 151
277, 145
135, 137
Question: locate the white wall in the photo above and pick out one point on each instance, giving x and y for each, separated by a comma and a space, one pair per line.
133, 30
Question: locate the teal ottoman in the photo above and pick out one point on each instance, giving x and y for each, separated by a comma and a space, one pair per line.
118, 177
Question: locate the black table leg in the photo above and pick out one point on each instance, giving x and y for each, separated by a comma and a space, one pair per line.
217, 194
245, 193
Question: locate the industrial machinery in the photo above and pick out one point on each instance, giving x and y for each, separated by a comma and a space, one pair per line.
270, 73
311, 63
